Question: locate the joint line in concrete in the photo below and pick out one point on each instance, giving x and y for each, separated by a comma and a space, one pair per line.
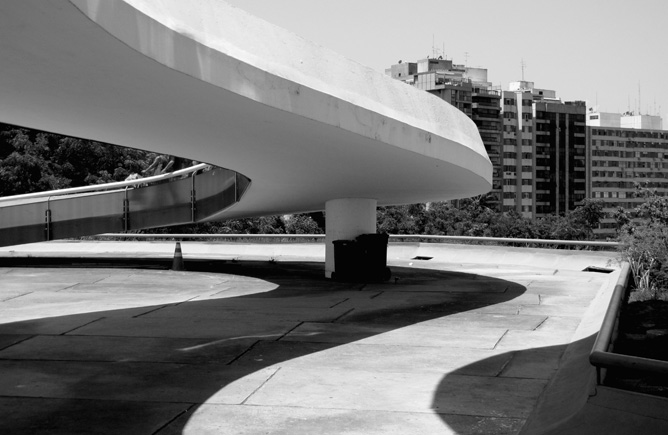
343, 315
291, 329
153, 310
18, 342
340, 302
541, 323
81, 326
261, 385
17, 296
174, 419
500, 338
236, 358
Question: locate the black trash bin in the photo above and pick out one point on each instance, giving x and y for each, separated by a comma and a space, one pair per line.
373, 256
346, 260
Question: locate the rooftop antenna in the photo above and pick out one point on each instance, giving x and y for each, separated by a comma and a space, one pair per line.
523, 66
466, 58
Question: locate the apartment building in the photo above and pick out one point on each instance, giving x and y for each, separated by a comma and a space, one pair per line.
624, 150
468, 90
536, 142
544, 151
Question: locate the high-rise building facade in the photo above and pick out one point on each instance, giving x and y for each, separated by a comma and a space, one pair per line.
549, 155
518, 156
486, 113
536, 142
561, 184
622, 157
468, 90
544, 151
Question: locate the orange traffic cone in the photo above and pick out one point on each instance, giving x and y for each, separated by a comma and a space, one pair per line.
177, 264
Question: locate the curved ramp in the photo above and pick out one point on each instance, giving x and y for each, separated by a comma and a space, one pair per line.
305, 124
186, 196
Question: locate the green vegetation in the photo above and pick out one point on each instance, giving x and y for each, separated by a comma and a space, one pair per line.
644, 238
473, 217
36, 161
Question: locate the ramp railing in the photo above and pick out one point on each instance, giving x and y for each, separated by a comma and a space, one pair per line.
186, 196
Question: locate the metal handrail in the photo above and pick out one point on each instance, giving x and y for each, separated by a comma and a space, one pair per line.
605, 335
601, 355
213, 236
106, 186
168, 199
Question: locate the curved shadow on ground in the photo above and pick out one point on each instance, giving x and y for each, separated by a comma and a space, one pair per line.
497, 394
148, 369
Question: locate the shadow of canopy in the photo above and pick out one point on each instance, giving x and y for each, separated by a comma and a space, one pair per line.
149, 368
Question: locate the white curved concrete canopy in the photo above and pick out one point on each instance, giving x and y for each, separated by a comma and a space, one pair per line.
207, 81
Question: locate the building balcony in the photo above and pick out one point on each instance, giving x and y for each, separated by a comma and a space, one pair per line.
488, 119
485, 105
494, 93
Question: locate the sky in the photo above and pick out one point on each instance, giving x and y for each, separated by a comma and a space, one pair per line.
611, 53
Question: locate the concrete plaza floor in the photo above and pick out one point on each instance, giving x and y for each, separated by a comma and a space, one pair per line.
462, 339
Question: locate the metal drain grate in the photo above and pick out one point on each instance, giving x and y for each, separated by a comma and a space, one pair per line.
597, 269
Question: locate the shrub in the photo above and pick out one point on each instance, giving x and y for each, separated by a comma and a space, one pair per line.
645, 247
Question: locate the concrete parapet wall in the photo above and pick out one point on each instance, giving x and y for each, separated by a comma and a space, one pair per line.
397, 252
575, 381
539, 257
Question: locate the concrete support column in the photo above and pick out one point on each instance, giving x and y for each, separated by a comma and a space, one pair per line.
345, 219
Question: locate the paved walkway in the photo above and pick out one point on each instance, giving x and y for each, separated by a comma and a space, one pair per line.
448, 345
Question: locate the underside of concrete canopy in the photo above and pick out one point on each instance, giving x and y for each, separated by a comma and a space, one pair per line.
206, 81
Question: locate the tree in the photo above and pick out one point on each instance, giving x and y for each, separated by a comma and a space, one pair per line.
511, 224
441, 218
622, 218
645, 247
27, 167
32, 161
590, 212
89, 162
654, 208
644, 240
301, 224
400, 219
